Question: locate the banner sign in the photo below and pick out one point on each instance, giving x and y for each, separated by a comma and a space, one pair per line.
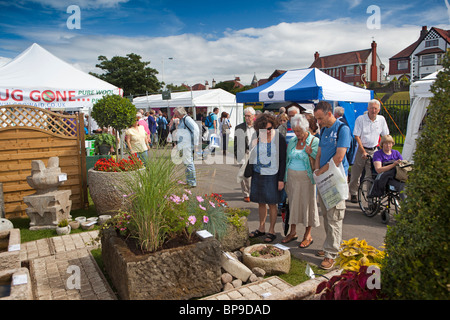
51, 98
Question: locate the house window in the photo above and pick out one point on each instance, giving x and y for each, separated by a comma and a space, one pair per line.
432, 43
350, 70
428, 60
402, 65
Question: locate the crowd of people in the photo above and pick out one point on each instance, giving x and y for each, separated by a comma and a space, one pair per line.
287, 150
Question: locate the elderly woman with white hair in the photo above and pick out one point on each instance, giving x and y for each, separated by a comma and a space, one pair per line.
300, 185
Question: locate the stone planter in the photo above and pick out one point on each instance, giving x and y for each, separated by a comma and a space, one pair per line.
272, 266
17, 284
63, 230
236, 238
106, 190
10, 249
173, 274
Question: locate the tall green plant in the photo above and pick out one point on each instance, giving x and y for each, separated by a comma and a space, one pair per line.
417, 265
147, 194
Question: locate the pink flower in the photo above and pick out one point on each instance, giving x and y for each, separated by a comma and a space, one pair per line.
181, 182
203, 208
192, 219
200, 199
188, 191
205, 219
212, 204
184, 197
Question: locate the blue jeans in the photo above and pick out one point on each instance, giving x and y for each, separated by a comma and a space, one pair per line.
188, 161
143, 156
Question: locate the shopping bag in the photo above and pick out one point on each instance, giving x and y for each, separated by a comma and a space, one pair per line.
214, 141
332, 185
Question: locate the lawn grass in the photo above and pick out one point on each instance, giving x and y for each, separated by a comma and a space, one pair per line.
400, 96
27, 235
297, 273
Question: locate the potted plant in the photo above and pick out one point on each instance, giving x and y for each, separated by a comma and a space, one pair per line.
63, 227
104, 142
116, 112
156, 236
107, 183
271, 259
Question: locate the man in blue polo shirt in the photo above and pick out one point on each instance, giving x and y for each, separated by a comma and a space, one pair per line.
331, 147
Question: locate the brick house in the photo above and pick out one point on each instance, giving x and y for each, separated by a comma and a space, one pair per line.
422, 57
355, 68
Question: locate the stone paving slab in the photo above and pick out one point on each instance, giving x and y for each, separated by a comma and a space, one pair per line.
259, 290
62, 268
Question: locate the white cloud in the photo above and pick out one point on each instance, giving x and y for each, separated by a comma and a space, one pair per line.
354, 3
237, 52
86, 4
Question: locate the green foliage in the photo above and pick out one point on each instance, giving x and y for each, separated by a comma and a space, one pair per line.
104, 138
129, 73
63, 223
146, 191
417, 246
234, 216
114, 111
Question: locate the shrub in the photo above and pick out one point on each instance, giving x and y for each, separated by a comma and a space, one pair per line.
114, 111
417, 246
349, 285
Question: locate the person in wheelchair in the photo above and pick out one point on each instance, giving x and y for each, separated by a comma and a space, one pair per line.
384, 161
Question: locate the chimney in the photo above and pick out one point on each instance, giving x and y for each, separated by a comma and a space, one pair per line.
316, 56
213, 83
424, 31
373, 67
206, 85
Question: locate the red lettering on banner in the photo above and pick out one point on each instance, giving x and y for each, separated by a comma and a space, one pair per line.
17, 95
59, 96
6, 95
72, 96
33, 97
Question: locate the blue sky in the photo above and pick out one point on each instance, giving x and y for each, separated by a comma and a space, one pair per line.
214, 39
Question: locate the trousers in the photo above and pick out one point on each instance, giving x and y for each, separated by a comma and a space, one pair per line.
357, 169
332, 221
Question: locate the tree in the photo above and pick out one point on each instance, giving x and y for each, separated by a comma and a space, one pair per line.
114, 111
129, 73
417, 265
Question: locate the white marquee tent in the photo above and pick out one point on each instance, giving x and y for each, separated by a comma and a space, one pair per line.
38, 78
205, 99
420, 95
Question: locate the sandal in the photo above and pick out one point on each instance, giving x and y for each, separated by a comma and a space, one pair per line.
256, 234
305, 243
289, 238
270, 237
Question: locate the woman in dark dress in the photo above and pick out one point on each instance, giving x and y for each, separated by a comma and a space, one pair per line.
269, 164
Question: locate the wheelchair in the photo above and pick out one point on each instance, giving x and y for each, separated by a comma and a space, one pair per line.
371, 206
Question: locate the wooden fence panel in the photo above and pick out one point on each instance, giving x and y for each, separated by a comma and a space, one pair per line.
30, 133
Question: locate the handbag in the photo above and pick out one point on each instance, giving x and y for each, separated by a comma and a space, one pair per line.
402, 170
248, 172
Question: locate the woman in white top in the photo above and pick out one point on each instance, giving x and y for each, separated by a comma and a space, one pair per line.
137, 140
